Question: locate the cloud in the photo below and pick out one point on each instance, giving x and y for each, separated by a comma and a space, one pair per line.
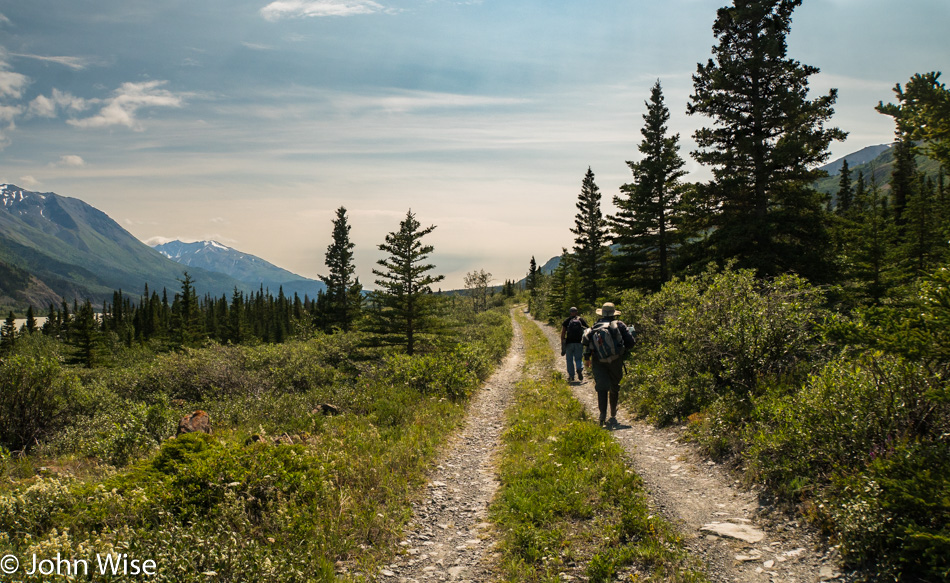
12, 83
75, 63
29, 182
70, 161
43, 106
4, 19
317, 8
9, 112
257, 47
411, 101
122, 107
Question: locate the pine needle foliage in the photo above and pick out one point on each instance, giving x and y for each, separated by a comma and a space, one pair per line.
405, 284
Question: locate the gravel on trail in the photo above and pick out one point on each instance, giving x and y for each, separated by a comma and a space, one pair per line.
724, 525
450, 538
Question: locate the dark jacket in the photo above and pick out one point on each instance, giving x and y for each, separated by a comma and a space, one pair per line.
564, 325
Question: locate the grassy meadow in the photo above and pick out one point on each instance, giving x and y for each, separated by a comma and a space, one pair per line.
278, 492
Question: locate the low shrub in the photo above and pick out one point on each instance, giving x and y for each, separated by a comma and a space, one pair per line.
847, 414
894, 517
38, 396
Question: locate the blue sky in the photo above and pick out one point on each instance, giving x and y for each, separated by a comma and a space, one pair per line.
250, 122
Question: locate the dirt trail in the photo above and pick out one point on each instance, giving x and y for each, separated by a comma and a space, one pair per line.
449, 538
701, 498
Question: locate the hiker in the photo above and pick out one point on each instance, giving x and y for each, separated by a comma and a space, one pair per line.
572, 332
604, 347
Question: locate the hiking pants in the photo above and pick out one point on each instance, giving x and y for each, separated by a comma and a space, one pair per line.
574, 351
607, 377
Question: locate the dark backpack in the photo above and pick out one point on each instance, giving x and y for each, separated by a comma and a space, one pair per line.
575, 330
605, 339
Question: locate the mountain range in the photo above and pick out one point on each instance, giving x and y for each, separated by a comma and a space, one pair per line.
244, 267
54, 247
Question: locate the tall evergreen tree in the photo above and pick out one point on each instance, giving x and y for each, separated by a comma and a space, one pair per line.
531, 279
590, 241
532, 282
922, 113
904, 177
870, 248
30, 325
845, 189
922, 245
767, 141
8, 334
644, 223
185, 315
404, 283
85, 336
340, 281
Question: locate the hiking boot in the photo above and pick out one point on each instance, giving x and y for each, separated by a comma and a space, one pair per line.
580, 375
570, 379
602, 422
612, 423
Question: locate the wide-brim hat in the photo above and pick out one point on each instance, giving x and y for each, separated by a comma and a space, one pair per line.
608, 309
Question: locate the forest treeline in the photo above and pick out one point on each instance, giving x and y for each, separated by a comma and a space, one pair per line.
398, 313
800, 336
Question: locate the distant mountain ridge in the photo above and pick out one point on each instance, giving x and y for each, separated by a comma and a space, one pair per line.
862, 156
877, 168
54, 247
244, 267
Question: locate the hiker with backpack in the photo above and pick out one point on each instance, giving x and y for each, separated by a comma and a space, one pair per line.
604, 347
572, 332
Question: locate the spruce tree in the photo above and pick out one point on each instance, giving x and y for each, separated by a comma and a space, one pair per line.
922, 113
340, 281
8, 334
30, 325
871, 245
845, 189
404, 284
185, 314
532, 283
590, 242
644, 223
85, 336
904, 177
766, 142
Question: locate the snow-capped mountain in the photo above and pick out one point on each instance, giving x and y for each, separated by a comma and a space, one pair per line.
53, 246
244, 267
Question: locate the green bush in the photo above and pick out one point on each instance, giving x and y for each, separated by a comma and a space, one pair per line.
844, 416
116, 432
719, 333
894, 518
37, 398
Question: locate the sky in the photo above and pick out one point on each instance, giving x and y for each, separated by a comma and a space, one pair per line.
250, 122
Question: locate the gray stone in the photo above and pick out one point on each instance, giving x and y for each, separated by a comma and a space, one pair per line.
742, 532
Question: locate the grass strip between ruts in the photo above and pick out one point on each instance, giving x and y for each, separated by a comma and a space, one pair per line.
568, 503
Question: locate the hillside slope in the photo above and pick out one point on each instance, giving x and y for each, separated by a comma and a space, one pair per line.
74, 250
244, 267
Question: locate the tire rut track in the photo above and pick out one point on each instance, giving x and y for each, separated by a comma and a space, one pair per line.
449, 537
